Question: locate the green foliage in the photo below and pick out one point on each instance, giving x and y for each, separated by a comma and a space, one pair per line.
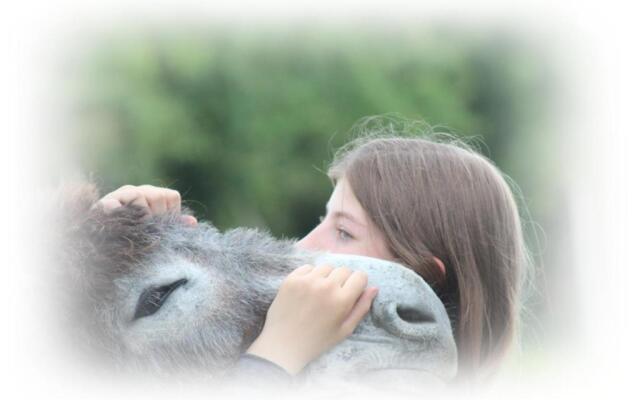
244, 122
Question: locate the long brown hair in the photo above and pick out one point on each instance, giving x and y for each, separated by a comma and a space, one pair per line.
434, 196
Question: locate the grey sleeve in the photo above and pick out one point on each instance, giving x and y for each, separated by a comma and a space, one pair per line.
257, 369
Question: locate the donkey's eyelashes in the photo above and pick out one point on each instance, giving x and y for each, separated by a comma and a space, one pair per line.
153, 298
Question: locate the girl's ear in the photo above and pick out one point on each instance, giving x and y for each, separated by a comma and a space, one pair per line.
440, 265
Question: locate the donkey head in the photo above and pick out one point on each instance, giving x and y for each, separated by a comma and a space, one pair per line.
152, 294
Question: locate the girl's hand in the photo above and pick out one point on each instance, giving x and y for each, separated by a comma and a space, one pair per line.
315, 309
155, 200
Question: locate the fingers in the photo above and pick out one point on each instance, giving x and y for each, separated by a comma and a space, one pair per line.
174, 200
117, 198
189, 220
355, 285
152, 199
109, 204
324, 272
340, 275
360, 309
327, 302
305, 269
155, 197
346, 284
126, 195
321, 271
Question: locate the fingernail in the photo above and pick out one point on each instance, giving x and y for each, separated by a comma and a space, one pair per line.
107, 205
189, 220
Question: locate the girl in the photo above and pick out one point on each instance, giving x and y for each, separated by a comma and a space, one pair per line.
428, 202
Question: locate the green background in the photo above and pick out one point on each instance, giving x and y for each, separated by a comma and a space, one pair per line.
243, 122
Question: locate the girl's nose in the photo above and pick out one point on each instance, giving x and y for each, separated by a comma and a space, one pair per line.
312, 241
303, 243
310, 244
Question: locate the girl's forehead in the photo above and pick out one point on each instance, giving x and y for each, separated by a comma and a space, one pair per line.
340, 197
343, 199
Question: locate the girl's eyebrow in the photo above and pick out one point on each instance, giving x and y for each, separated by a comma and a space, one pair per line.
345, 215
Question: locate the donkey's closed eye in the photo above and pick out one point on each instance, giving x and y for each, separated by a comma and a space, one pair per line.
153, 298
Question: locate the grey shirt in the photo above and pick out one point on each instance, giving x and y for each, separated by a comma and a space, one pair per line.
259, 370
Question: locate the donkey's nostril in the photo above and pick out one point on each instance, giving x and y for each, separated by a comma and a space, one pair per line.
414, 320
414, 315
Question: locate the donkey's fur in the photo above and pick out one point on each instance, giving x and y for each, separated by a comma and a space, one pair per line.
108, 260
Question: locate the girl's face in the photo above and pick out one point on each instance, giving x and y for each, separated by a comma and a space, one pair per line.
346, 228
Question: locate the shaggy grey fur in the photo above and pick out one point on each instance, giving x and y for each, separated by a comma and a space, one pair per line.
108, 261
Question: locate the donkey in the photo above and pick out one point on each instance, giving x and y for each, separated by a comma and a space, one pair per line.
152, 294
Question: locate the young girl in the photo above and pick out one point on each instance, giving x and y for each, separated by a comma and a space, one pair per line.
432, 205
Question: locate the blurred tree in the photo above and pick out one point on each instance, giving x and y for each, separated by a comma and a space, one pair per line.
244, 122
238, 120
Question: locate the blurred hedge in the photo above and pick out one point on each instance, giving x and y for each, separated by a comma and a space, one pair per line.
243, 122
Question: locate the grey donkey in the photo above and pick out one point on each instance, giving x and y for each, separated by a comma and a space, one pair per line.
153, 294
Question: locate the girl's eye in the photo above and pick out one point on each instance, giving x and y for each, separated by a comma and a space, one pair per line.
344, 235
